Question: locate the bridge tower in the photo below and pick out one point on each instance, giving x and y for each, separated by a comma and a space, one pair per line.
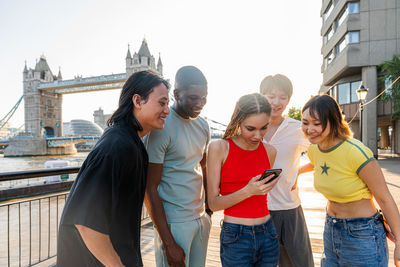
43, 109
142, 60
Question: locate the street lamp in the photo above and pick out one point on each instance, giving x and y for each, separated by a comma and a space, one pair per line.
362, 95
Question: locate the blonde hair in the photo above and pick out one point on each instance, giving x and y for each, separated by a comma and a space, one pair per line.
279, 82
245, 106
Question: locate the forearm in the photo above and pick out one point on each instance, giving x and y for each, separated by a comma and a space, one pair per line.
223, 202
392, 215
205, 190
100, 246
306, 168
157, 213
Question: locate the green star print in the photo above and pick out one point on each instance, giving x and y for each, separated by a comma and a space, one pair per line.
325, 169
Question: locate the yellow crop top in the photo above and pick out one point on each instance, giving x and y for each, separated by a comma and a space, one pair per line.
336, 170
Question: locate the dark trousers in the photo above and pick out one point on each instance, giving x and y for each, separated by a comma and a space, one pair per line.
295, 245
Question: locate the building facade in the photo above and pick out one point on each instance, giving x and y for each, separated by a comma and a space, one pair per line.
43, 109
358, 36
100, 118
142, 60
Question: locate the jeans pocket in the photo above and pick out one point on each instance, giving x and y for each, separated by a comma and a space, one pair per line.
272, 232
228, 237
362, 231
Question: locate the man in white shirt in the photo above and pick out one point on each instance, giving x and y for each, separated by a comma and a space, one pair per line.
283, 200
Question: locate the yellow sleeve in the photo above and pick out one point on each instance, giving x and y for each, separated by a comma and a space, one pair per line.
310, 153
360, 156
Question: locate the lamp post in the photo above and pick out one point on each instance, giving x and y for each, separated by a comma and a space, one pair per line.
362, 95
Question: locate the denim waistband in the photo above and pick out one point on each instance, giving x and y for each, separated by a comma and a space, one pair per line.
330, 219
247, 228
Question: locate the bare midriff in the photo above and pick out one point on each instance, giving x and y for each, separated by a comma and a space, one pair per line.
355, 209
246, 221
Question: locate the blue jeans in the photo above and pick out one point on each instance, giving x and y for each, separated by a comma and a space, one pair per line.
243, 245
354, 242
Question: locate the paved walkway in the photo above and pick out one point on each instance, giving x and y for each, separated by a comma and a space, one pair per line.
314, 210
313, 204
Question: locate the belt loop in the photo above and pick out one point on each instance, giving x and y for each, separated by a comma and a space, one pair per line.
345, 224
240, 229
265, 228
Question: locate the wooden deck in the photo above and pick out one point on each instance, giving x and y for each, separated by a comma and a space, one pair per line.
313, 204
314, 211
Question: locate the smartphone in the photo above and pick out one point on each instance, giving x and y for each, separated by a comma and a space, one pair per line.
275, 172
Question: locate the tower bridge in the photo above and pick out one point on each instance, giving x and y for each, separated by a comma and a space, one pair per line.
42, 94
43, 91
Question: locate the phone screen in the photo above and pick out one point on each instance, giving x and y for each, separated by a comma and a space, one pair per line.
275, 172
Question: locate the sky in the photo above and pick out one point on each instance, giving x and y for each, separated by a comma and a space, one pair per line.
234, 43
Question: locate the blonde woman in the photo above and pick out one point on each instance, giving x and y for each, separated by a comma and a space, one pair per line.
234, 166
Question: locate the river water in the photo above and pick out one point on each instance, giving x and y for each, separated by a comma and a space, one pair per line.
33, 163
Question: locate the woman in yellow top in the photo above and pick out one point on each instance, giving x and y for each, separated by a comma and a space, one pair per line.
347, 174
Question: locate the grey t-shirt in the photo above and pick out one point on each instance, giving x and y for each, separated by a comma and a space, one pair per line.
180, 147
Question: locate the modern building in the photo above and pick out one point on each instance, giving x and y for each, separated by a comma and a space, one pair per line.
358, 36
82, 128
100, 118
5, 131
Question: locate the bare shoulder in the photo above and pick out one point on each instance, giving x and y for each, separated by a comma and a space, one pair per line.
271, 150
218, 146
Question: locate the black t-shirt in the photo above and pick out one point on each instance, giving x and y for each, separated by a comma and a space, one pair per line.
107, 196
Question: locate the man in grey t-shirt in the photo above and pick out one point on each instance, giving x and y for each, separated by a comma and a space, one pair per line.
175, 193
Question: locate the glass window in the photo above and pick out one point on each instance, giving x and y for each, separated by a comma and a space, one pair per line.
343, 93
354, 7
353, 37
329, 58
329, 34
332, 92
340, 46
328, 11
342, 16
388, 82
354, 87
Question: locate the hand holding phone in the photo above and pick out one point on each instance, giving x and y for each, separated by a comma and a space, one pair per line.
275, 172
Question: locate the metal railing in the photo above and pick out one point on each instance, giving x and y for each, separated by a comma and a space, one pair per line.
29, 226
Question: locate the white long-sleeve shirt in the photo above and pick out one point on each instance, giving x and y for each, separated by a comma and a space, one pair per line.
289, 142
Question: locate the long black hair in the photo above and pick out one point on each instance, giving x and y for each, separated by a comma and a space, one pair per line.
141, 83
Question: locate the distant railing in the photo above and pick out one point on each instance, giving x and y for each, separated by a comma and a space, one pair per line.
29, 226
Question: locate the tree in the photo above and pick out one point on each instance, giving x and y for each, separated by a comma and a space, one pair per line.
294, 113
391, 68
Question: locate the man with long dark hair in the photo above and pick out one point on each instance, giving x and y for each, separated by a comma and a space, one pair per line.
175, 194
100, 224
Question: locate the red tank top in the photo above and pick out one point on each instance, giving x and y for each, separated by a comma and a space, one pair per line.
239, 167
